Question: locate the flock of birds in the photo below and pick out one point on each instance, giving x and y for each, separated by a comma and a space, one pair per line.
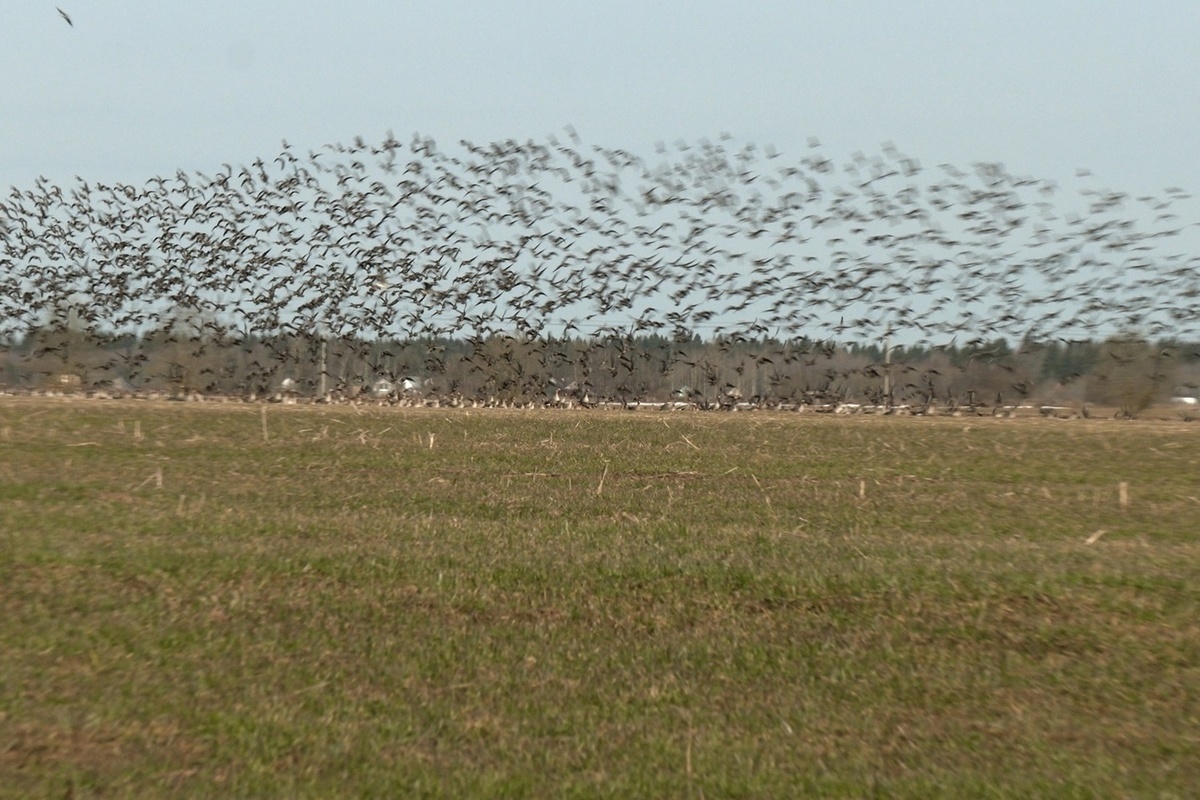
367, 242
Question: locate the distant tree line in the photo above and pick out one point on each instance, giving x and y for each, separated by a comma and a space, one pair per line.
1127, 371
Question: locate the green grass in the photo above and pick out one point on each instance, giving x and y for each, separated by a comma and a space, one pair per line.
589, 604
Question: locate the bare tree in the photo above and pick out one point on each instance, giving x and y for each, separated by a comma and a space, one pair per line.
1132, 374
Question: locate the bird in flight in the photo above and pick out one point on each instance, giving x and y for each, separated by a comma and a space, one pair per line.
65, 16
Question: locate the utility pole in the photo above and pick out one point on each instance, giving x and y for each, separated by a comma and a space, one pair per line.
887, 370
321, 380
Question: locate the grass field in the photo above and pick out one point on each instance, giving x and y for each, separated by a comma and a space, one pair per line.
204, 600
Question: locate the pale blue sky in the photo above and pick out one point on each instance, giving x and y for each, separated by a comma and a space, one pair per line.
142, 87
